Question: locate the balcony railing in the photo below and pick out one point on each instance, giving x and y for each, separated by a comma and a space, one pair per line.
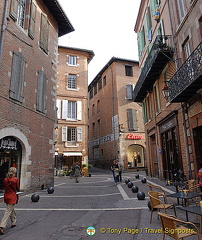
188, 78
159, 55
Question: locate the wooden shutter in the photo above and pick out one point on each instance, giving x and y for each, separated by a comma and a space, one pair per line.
153, 6
64, 109
17, 76
14, 9
41, 92
129, 91
58, 105
132, 119
79, 110
32, 21
79, 134
64, 134
44, 30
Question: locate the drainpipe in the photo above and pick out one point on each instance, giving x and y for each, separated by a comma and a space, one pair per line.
3, 27
183, 113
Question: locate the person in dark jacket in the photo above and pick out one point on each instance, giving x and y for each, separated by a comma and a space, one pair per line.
11, 185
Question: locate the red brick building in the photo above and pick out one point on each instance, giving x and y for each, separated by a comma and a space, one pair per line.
72, 94
116, 130
169, 43
28, 74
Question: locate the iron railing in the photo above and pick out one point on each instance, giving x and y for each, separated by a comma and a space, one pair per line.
187, 74
162, 44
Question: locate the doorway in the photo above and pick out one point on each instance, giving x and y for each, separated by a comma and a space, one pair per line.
10, 156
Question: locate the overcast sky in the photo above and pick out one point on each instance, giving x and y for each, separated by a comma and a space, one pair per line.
104, 26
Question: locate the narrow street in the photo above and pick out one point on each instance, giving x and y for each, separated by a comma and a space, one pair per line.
114, 211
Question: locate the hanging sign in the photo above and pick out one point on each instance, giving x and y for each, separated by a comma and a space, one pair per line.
8, 143
132, 136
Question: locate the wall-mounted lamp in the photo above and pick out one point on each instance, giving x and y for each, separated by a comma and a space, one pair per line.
165, 91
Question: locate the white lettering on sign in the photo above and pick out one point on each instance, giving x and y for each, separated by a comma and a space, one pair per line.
8, 144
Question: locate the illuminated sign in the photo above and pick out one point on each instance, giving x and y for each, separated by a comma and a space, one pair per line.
132, 136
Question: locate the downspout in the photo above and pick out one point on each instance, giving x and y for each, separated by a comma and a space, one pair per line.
183, 113
3, 27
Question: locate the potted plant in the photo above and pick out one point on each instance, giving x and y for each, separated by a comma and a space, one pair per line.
85, 168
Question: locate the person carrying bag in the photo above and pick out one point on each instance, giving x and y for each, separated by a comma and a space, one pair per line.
11, 185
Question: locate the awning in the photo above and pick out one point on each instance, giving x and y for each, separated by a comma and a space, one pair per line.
72, 154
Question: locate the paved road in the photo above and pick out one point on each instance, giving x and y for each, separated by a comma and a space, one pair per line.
113, 210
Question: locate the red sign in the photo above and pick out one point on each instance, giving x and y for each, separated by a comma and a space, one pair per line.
133, 136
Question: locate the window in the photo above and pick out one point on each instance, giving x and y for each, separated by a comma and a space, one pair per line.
41, 92
132, 119
93, 130
71, 110
98, 105
71, 134
44, 33
181, 9
156, 92
95, 89
141, 42
17, 76
129, 91
72, 60
24, 14
148, 105
104, 80
98, 126
91, 93
72, 81
64, 134
93, 109
100, 84
148, 25
129, 70
144, 112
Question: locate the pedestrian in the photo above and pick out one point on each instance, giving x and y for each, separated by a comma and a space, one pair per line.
77, 171
115, 171
11, 185
120, 171
73, 170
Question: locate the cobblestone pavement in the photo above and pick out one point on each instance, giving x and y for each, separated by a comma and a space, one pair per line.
113, 210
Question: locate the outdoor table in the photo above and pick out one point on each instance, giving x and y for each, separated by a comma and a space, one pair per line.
196, 210
184, 196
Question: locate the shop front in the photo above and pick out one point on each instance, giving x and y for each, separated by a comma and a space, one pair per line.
10, 156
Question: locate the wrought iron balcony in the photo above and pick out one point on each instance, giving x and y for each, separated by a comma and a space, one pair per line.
188, 78
159, 55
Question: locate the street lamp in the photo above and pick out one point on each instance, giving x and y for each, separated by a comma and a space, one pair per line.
165, 91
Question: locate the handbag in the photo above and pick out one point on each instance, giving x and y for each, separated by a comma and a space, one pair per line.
9, 183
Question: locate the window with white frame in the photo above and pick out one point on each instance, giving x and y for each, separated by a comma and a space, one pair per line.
72, 60
181, 9
71, 134
71, 110
72, 81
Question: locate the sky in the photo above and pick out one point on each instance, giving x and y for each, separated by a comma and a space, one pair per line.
104, 26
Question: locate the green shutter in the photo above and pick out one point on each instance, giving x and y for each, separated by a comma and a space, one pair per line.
153, 7
32, 21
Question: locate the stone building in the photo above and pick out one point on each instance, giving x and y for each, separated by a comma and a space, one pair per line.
116, 130
168, 33
72, 93
28, 73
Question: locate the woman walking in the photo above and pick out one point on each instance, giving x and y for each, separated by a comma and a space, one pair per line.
11, 185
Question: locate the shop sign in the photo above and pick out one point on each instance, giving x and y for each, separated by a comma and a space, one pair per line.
132, 136
8, 144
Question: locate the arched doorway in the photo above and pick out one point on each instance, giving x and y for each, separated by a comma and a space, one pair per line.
10, 156
135, 156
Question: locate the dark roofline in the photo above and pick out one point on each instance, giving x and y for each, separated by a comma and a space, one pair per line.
113, 59
64, 25
90, 52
